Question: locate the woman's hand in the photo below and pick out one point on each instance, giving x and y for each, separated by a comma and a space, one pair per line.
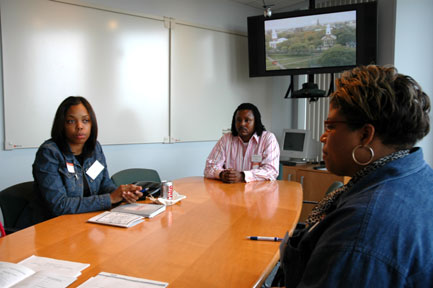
130, 192
232, 176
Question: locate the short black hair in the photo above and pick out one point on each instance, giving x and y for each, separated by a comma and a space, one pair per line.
58, 129
258, 126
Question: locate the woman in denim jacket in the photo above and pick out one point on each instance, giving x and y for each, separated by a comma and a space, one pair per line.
70, 171
377, 230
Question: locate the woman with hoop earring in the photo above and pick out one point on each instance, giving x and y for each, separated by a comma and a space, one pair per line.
377, 230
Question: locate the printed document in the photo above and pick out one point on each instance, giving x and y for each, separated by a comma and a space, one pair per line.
110, 280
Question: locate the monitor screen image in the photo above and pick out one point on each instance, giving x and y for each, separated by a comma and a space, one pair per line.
297, 144
294, 141
311, 41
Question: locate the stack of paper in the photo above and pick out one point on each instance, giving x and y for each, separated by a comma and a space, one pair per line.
128, 215
36, 271
116, 219
145, 210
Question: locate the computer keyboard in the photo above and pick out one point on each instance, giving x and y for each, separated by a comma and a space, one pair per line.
289, 163
320, 167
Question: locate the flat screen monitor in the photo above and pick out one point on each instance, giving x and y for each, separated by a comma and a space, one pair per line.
323, 40
296, 145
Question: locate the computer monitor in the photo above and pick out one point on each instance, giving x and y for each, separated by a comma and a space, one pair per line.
296, 145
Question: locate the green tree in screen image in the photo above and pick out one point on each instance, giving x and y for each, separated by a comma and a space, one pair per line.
346, 35
338, 56
299, 49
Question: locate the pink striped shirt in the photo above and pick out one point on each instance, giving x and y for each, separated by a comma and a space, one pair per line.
259, 159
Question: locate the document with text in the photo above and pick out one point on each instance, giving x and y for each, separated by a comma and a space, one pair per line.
61, 267
41, 272
124, 220
111, 280
17, 275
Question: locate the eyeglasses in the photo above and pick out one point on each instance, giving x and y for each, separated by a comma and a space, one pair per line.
329, 124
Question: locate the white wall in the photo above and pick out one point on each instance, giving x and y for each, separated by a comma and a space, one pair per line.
413, 52
187, 159
217, 14
170, 160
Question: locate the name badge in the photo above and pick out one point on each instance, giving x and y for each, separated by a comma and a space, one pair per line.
95, 169
256, 159
70, 167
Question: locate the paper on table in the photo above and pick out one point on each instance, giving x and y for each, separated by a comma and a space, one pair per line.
61, 267
116, 219
11, 273
143, 209
176, 198
46, 279
17, 275
110, 280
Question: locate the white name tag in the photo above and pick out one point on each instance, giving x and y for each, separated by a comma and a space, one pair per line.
70, 167
95, 169
256, 158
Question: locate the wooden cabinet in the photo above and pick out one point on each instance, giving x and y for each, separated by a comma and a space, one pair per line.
314, 183
289, 173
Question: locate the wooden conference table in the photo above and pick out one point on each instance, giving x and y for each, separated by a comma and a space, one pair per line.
198, 242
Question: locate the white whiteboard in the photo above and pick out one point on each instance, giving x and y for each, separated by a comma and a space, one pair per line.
209, 80
144, 86
119, 62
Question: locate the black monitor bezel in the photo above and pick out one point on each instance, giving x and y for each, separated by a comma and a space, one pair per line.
366, 37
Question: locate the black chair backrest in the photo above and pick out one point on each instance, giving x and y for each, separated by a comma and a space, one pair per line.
132, 175
334, 186
13, 201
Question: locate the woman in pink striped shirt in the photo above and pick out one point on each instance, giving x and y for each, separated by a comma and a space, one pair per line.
248, 153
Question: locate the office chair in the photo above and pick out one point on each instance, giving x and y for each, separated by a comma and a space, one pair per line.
132, 175
280, 174
335, 185
13, 201
2, 230
2, 221
274, 278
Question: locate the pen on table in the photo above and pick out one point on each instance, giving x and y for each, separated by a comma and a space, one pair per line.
264, 238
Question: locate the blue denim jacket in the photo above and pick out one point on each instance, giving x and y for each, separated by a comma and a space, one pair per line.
61, 190
380, 233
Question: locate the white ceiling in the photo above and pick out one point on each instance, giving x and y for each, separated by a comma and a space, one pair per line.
276, 5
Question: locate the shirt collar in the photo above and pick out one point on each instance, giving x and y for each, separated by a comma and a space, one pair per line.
255, 137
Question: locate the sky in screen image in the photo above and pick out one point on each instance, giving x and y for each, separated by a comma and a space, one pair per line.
303, 21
